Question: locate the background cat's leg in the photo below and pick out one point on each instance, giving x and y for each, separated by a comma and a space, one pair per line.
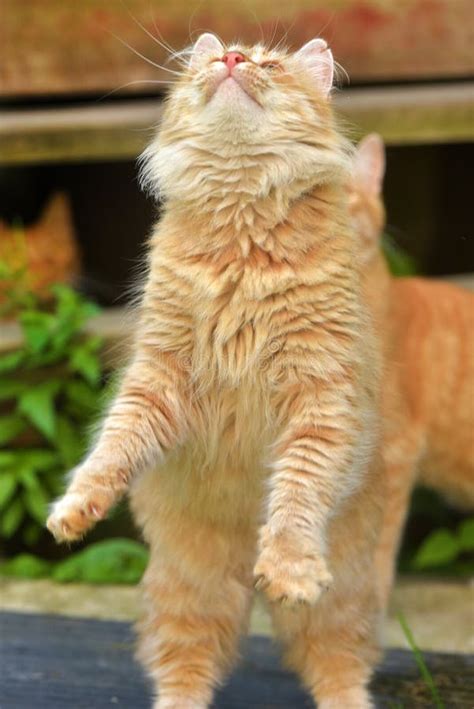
401, 462
333, 646
198, 588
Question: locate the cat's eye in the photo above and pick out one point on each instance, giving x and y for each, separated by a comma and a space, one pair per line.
270, 65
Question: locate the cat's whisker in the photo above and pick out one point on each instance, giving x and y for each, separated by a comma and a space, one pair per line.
275, 28
150, 34
257, 22
170, 48
282, 41
132, 83
182, 57
323, 29
340, 73
142, 56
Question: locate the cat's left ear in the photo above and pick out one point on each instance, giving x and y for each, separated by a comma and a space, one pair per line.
206, 47
370, 163
319, 61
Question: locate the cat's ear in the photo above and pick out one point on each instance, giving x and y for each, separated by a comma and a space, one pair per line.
56, 211
206, 47
370, 163
319, 61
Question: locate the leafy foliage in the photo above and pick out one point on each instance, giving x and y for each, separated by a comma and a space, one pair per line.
444, 546
109, 561
399, 262
50, 389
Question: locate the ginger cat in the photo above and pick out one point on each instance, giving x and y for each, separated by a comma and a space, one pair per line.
47, 251
429, 369
246, 428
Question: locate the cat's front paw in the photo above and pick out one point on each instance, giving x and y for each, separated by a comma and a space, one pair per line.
75, 513
289, 575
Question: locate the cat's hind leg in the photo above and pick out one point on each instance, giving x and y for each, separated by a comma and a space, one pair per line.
197, 591
332, 647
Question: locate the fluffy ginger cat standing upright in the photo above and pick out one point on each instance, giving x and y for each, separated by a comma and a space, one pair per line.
246, 425
428, 386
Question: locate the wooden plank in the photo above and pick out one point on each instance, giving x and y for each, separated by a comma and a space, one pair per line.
57, 47
113, 325
119, 131
51, 662
411, 114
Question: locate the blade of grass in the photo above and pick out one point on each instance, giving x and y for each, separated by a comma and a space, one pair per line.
424, 671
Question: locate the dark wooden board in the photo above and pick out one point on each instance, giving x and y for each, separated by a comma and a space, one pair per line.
52, 662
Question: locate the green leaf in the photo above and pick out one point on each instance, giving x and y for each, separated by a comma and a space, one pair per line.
84, 399
439, 548
110, 561
12, 518
28, 477
38, 459
400, 263
86, 362
8, 485
466, 534
37, 328
32, 533
8, 458
69, 442
38, 405
10, 427
36, 503
11, 389
11, 360
26, 566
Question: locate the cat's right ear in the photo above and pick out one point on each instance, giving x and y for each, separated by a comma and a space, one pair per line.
318, 60
205, 48
370, 163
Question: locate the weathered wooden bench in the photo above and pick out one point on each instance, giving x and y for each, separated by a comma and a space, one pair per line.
52, 662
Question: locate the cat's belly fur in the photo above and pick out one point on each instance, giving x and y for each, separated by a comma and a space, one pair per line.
217, 477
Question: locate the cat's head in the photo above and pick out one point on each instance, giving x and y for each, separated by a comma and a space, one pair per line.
246, 106
366, 201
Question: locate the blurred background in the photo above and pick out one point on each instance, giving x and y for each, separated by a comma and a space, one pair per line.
81, 86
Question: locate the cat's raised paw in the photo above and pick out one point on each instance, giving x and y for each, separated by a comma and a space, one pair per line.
75, 513
291, 578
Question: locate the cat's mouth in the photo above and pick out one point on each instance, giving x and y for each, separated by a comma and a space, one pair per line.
235, 85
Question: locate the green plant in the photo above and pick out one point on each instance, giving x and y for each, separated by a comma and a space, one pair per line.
50, 390
399, 262
444, 546
420, 661
109, 561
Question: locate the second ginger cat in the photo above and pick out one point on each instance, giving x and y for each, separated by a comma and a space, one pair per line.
428, 328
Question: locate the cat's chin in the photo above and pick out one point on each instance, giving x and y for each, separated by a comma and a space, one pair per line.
232, 93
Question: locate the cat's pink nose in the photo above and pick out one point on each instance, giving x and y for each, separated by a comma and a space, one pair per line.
232, 58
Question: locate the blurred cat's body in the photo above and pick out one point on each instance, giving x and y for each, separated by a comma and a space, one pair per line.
39, 255
428, 329
247, 424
